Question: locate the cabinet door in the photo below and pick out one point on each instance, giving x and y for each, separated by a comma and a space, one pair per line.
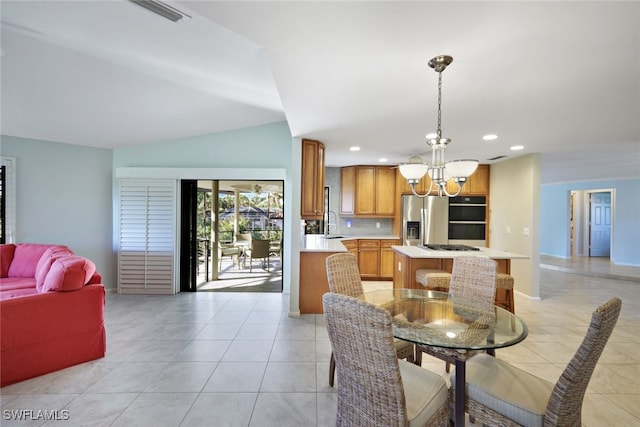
365, 190
352, 246
479, 182
368, 262
386, 258
369, 258
385, 191
347, 190
312, 193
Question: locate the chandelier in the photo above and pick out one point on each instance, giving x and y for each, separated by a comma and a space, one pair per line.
438, 170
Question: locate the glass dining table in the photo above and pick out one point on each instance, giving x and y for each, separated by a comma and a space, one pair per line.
455, 325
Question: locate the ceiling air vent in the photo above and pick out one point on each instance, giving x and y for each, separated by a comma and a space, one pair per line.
497, 158
162, 9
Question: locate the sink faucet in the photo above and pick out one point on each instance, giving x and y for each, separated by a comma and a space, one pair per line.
327, 223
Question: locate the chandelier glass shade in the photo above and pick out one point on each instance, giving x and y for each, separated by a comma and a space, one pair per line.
439, 170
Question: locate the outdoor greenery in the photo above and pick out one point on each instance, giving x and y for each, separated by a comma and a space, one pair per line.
263, 222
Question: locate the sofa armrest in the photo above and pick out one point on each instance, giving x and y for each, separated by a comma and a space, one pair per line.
45, 332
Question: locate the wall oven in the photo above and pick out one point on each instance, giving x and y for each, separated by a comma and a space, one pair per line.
468, 220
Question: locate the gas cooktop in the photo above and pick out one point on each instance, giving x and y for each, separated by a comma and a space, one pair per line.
439, 247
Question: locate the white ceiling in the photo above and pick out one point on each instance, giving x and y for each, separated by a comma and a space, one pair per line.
560, 78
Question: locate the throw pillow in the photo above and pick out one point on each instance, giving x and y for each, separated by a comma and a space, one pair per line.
46, 260
68, 274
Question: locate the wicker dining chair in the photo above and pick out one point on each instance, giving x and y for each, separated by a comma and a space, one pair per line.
376, 389
501, 394
343, 275
473, 280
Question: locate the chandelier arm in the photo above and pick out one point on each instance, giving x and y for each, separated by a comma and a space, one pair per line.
415, 193
456, 193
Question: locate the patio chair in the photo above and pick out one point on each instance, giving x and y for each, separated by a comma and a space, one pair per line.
377, 389
344, 278
259, 250
501, 394
227, 249
473, 280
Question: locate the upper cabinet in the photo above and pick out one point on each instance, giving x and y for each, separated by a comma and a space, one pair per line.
368, 191
312, 195
477, 184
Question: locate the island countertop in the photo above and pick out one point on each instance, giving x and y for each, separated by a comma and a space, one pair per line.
418, 252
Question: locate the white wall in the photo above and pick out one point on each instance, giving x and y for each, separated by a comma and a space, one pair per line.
514, 208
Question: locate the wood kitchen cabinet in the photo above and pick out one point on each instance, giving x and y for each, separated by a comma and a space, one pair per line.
368, 191
312, 195
386, 258
352, 246
369, 258
375, 258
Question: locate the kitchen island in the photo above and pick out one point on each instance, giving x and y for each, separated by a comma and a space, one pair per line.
409, 259
314, 250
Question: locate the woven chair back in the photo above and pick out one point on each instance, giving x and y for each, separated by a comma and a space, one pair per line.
565, 403
370, 391
343, 274
473, 280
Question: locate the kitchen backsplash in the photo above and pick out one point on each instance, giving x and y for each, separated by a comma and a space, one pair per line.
359, 226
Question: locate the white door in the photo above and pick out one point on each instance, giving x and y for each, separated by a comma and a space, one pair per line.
600, 224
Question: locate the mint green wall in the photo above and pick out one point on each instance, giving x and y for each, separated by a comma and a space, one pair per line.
63, 195
267, 146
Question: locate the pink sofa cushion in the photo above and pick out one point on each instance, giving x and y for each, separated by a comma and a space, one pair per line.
46, 261
6, 255
25, 259
9, 283
68, 274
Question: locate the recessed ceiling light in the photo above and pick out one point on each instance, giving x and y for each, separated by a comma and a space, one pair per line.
383, 160
517, 148
490, 137
354, 148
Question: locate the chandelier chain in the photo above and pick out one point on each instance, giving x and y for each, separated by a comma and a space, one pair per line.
439, 128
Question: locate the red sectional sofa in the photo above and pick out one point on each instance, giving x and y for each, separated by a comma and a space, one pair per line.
51, 311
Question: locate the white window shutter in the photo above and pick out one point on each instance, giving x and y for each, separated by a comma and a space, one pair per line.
147, 236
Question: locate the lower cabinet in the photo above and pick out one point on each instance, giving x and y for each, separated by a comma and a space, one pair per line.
369, 258
375, 258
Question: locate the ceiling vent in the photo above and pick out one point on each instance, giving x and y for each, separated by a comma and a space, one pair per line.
162, 9
497, 158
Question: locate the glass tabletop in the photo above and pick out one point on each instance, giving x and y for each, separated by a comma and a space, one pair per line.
437, 319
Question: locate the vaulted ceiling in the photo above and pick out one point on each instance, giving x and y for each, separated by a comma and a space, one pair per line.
559, 78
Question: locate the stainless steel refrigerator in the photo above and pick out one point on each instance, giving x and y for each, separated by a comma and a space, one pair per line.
425, 220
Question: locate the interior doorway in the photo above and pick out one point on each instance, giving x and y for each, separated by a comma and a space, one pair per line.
591, 222
226, 225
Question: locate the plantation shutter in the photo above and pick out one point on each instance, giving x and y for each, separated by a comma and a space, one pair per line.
147, 235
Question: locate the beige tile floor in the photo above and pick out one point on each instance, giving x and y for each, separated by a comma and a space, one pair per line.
237, 359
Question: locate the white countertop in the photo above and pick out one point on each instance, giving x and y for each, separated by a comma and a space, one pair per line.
418, 252
318, 243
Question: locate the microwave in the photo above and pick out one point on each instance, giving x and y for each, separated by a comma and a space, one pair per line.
468, 208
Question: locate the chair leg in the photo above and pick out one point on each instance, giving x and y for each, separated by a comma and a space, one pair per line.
332, 370
447, 367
